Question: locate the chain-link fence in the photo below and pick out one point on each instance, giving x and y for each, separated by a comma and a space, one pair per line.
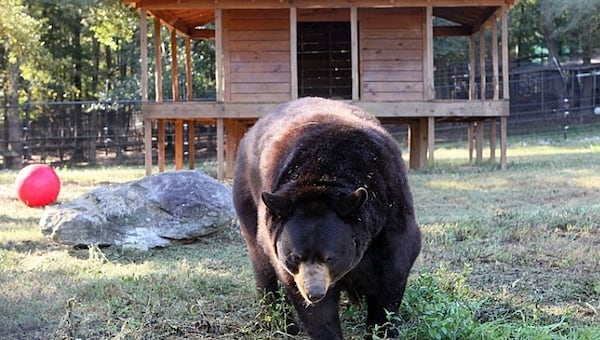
545, 104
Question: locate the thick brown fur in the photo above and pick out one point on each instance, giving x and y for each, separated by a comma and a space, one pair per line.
322, 197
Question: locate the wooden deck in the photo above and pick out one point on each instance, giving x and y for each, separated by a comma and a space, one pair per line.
232, 119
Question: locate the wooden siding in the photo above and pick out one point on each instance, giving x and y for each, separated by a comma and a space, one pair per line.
391, 53
257, 55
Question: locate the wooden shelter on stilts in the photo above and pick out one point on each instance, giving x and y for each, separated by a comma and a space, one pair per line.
376, 54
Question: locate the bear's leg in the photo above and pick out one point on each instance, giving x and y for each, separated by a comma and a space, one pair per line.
320, 320
387, 299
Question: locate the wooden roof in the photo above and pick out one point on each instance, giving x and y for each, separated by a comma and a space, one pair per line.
190, 17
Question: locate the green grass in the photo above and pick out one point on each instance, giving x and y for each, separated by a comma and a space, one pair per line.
507, 255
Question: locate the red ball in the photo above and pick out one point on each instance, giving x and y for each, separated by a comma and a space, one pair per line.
37, 185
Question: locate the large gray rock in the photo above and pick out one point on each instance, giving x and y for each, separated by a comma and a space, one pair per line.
154, 211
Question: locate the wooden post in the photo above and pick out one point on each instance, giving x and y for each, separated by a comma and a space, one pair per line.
191, 144
482, 79
479, 142
220, 149
430, 140
505, 77
188, 69
178, 144
294, 52
470, 140
493, 139
418, 143
174, 67
428, 86
354, 52
161, 144
144, 88
220, 85
472, 67
495, 81
158, 61
503, 142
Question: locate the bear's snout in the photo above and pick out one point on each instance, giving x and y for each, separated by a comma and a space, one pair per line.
312, 280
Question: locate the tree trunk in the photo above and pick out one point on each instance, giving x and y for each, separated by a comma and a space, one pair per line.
14, 150
78, 134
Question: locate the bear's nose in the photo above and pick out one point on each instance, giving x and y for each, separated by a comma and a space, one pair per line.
315, 294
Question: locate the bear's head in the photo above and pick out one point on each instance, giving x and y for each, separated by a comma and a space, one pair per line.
317, 238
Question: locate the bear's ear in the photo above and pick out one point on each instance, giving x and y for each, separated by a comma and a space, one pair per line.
352, 202
278, 205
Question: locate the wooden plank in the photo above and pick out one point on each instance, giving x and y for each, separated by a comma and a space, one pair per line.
392, 65
418, 143
378, 33
414, 76
399, 43
260, 14
391, 96
323, 15
260, 97
258, 88
259, 45
393, 55
257, 24
260, 67
265, 35
258, 56
390, 109
293, 53
260, 77
393, 86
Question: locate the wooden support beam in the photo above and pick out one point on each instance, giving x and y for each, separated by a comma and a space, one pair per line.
472, 67
160, 145
418, 143
503, 142
158, 62
428, 76
505, 76
235, 131
470, 140
430, 140
493, 139
191, 144
188, 70
148, 146
354, 53
479, 142
178, 144
220, 149
294, 52
174, 67
495, 80
219, 80
482, 80
144, 53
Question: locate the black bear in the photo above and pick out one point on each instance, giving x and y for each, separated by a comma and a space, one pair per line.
322, 197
